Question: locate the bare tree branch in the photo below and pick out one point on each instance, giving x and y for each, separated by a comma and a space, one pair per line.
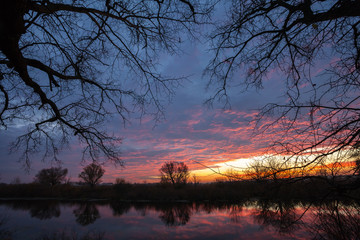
68, 67
320, 118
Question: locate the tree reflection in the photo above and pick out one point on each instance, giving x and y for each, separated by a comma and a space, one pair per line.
86, 213
336, 221
45, 210
280, 215
330, 220
176, 215
213, 206
142, 208
38, 209
235, 213
120, 208
208, 207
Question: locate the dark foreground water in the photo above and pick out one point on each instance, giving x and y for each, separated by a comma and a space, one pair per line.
118, 220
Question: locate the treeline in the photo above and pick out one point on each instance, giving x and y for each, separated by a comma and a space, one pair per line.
175, 185
305, 189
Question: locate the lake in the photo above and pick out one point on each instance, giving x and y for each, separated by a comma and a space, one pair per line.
40, 219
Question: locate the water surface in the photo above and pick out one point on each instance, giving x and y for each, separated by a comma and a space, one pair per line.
119, 220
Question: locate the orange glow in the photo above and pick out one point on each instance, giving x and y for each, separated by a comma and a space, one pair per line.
215, 140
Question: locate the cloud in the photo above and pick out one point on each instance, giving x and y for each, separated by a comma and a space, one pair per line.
194, 136
190, 133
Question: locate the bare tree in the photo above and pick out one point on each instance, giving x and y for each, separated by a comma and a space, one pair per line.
92, 174
356, 157
195, 180
119, 181
51, 176
271, 168
233, 174
320, 116
175, 173
66, 67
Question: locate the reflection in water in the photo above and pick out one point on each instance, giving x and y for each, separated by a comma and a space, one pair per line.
86, 213
248, 220
336, 221
38, 209
5, 233
142, 208
279, 215
119, 208
235, 213
72, 235
45, 210
175, 215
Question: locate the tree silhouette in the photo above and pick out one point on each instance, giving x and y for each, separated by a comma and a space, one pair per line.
92, 174
68, 66
320, 116
175, 173
270, 168
51, 176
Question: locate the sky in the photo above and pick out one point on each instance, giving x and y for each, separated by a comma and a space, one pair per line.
201, 136
191, 132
